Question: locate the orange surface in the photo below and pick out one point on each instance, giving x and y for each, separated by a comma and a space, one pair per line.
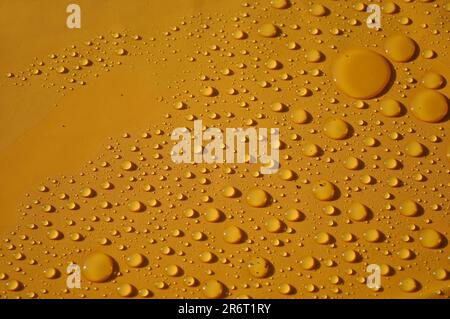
364, 155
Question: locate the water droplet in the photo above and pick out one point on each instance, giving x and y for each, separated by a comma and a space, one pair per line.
125, 290
135, 260
310, 149
409, 284
372, 235
323, 238
318, 10
430, 238
358, 212
293, 215
98, 267
274, 225
361, 73
324, 190
135, 206
51, 273
433, 80
429, 106
213, 215
350, 256
400, 48
213, 289
87, 192
440, 274
259, 267
229, 191
336, 129
299, 116
314, 56
308, 262
414, 149
390, 107
13, 285
257, 197
173, 270
285, 289
351, 163
233, 235
279, 4
268, 30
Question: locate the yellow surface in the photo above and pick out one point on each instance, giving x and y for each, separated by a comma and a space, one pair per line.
85, 168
